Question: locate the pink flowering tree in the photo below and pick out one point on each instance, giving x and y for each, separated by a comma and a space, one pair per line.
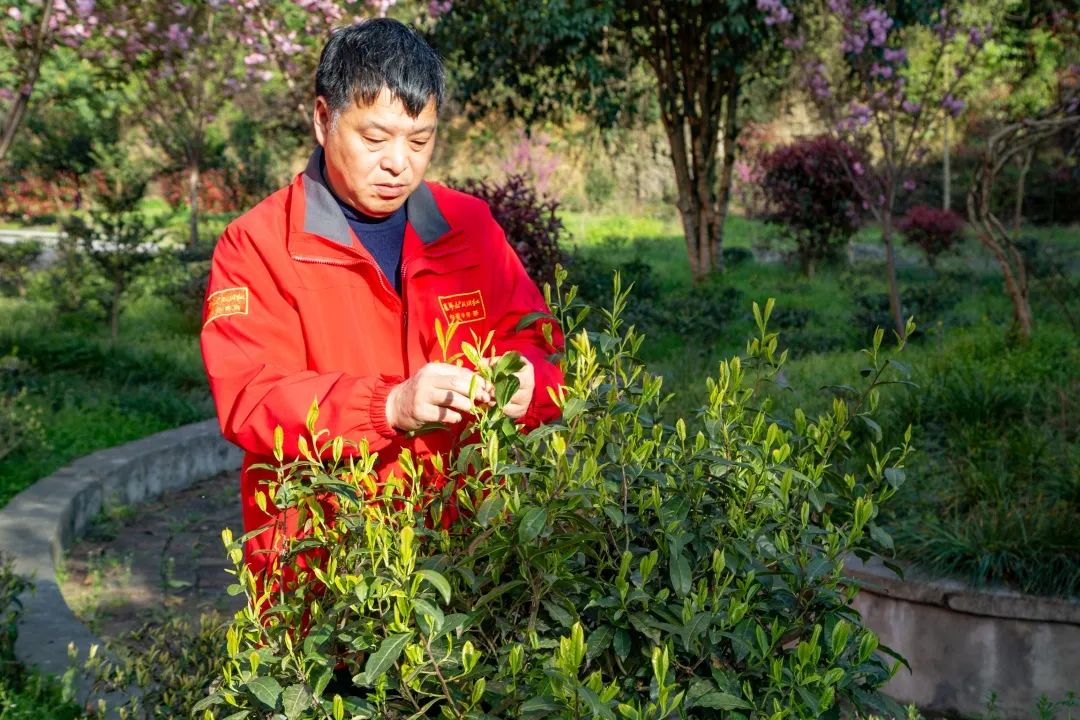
875, 94
183, 60
189, 58
29, 30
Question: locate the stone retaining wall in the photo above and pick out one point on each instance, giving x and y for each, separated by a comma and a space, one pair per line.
39, 523
964, 643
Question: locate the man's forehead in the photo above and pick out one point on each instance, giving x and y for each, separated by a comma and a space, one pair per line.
387, 108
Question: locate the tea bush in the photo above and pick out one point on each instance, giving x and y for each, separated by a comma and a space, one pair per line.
997, 495
611, 564
696, 314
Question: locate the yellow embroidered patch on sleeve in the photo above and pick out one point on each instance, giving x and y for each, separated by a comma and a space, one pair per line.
230, 301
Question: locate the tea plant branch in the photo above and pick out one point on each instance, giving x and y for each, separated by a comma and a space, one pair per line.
442, 680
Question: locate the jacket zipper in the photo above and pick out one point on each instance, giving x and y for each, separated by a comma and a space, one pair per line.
404, 319
387, 288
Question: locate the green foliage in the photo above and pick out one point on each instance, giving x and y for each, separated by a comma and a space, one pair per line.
90, 393
610, 564
15, 261
693, 316
162, 668
248, 164
11, 587
20, 422
118, 238
186, 288
535, 62
1001, 501
24, 695
70, 284
69, 116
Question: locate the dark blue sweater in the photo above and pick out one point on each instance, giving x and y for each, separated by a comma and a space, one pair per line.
383, 238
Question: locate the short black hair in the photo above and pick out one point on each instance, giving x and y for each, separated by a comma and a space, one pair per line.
360, 60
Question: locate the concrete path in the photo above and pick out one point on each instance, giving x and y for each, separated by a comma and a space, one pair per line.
40, 522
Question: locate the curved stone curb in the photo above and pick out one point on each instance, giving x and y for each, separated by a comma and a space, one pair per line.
964, 643
40, 522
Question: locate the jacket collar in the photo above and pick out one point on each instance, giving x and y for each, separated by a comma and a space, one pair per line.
323, 217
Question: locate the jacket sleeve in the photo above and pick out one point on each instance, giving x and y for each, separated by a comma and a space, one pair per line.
518, 297
254, 352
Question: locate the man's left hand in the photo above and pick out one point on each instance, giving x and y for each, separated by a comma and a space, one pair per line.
520, 401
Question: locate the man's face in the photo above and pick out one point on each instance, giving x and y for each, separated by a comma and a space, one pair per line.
376, 155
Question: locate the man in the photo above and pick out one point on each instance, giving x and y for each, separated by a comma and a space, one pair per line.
330, 289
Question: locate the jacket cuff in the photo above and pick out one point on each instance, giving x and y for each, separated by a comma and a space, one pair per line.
377, 409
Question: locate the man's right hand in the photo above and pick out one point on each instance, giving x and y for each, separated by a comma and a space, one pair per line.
438, 392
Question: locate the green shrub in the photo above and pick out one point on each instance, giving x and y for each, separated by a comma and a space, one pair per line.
24, 695
71, 285
611, 564
163, 668
997, 496
696, 314
16, 260
20, 423
185, 289
11, 587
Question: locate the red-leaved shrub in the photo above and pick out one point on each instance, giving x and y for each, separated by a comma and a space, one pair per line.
933, 230
811, 194
530, 223
215, 195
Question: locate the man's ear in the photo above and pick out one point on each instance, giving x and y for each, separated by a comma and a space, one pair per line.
321, 119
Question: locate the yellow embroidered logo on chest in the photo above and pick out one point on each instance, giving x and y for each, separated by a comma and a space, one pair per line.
230, 301
463, 307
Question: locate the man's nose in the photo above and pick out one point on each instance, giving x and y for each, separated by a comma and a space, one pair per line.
395, 158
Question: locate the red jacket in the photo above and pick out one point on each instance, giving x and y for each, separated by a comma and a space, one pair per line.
297, 310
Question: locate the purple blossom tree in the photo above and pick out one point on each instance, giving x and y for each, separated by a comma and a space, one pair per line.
29, 29
184, 59
872, 95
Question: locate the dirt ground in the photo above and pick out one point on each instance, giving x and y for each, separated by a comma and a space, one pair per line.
160, 559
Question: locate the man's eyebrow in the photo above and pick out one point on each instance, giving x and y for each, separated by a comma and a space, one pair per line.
390, 131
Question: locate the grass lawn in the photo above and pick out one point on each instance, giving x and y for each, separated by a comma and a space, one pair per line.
995, 488
88, 394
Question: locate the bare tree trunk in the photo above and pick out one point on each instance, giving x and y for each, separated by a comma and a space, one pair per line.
18, 108
693, 202
994, 236
946, 169
731, 135
114, 312
193, 202
895, 308
1021, 182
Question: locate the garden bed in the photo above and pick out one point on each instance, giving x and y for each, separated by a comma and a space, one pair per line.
159, 560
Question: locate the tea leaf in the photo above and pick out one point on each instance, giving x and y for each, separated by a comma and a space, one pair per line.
384, 658
532, 522
266, 690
